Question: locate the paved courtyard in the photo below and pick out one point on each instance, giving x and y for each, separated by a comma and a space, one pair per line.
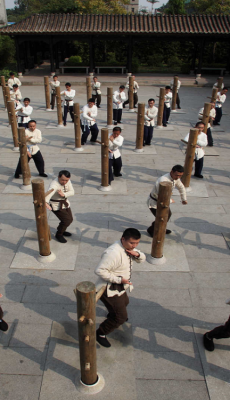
158, 354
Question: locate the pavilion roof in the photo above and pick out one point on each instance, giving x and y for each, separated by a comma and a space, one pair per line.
125, 24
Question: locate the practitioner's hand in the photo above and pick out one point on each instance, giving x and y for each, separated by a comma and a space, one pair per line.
184, 202
110, 151
172, 201
60, 192
132, 253
126, 281
48, 207
29, 154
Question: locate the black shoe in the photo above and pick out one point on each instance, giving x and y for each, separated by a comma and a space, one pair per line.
64, 124
150, 232
179, 108
60, 238
148, 144
135, 107
102, 340
44, 175
82, 144
118, 175
16, 176
67, 234
164, 125
168, 231
3, 326
115, 123
208, 343
198, 176
98, 106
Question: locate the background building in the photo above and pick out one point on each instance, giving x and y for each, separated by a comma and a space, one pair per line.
133, 6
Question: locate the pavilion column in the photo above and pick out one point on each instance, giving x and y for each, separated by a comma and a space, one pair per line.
56, 57
91, 55
27, 55
51, 56
193, 64
130, 55
19, 67
201, 52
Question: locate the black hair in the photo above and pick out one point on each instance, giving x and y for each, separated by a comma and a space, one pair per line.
178, 168
131, 233
198, 123
11, 73
68, 84
225, 88
117, 129
151, 100
122, 87
15, 85
32, 120
95, 77
64, 172
167, 87
55, 76
91, 100
26, 99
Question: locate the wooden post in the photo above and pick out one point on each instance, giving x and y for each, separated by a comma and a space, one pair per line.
3, 83
24, 158
59, 108
77, 127
214, 95
88, 88
109, 107
174, 93
189, 158
140, 128
86, 313
131, 100
43, 230
163, 203
7, 99
13, 123
105, 187
219, 83
47, 92
205, 119
161, 107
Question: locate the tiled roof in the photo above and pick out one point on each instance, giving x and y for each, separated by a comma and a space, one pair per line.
127, 23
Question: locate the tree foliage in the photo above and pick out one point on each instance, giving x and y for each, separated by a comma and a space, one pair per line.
175, 7
210, 6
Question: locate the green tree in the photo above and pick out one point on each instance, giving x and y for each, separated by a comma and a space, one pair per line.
210, 6
175, 7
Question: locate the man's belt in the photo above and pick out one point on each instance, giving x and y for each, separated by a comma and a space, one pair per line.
153, 197
62, 202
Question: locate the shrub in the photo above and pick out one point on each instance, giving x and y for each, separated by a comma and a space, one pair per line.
74, 60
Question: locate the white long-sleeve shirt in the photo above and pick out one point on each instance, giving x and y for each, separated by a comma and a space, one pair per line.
14, 81
202, 141
116, 264
118, 97
220, 99
36, 138
54, 85
69, 96
215, 86
24, 115
211, 114
96, 88
115, 144
152, 199
88, 120
135, 86
150, 114
15, 96
168, 98
178, 84
67, 189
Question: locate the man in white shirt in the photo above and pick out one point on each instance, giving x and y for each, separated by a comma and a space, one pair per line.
54, 84
114, 271
118, 99
12, 81
212, 116
57, 202
24, 112
221, 97
88, 122
15, 95
69, 95
115, 162
96, 86
174, 178
178, 87
202, 142
135, 89
167, 105
215, 86
150, 113
33, 136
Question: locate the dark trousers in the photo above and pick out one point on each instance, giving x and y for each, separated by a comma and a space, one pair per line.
166, 114
52, 101
117, 114
220, 332
148, 134
116, 307
86, 131
154, 212
98, 98
199, 166
218, 115
177, 100
66, 218
38, 161
135, 99
66, 110
23, 125
115, 165
209, 137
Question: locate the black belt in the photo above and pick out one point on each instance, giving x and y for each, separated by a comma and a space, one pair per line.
154, 198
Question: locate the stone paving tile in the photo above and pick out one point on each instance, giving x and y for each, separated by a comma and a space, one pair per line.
22, 361
20, 386
31, 335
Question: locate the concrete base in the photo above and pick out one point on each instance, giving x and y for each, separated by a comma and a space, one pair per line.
110, 126
178, 111
27, 255
86, 150
105, 188
93, 182
46, 259
155, 261
78, 149
16, 149
139, 150
27, 188
132, 110
165, 128
50, 109
90, 389
198, 188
